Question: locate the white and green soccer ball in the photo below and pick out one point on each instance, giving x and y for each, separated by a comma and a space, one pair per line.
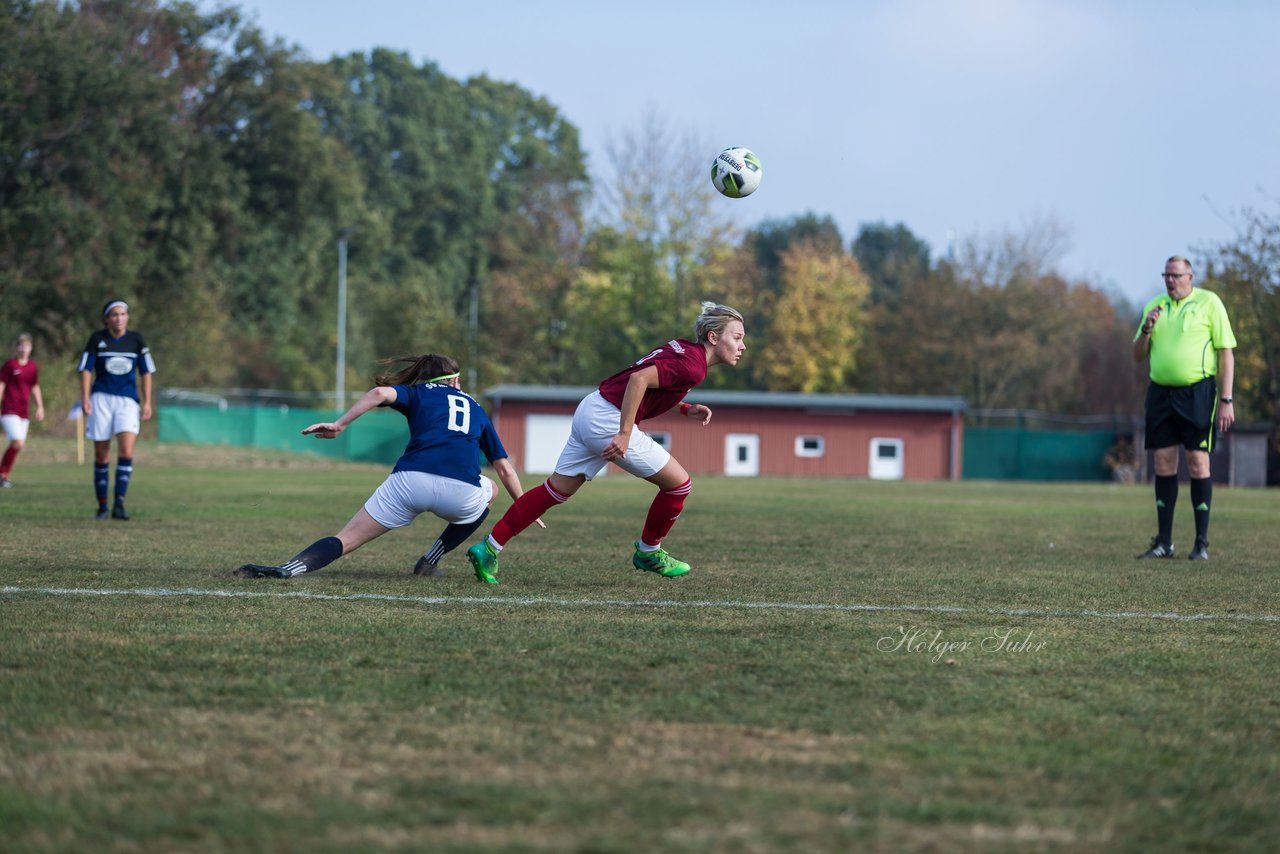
736, 172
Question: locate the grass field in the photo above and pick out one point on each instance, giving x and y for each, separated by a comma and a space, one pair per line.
850, 666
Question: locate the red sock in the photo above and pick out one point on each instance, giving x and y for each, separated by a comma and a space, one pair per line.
6, 465
525, 512
663, 511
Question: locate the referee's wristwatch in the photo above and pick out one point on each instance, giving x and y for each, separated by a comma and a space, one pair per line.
1225, 399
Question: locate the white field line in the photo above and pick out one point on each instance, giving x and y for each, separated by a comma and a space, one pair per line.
691, 604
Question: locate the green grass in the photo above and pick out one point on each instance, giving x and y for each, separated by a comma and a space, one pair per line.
582, 705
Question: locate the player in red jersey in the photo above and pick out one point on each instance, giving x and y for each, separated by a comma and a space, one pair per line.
606, 429
19, 383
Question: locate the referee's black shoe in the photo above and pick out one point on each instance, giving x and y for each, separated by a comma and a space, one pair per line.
1158, 549
1200, 551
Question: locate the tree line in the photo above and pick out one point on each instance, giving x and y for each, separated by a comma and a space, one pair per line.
186, 162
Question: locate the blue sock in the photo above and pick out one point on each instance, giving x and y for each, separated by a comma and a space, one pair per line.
101, 474
453, 536
124, 470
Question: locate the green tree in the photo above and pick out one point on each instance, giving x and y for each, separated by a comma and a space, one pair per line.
1245, 273
890, 256
530, 253
93, 126
895, 261
470, 181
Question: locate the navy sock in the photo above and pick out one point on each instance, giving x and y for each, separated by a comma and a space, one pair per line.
101, 474
1166, 499
453, 536
318, 555
124, 471
1201, 498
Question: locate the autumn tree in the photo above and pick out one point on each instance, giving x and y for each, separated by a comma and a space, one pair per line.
817, 323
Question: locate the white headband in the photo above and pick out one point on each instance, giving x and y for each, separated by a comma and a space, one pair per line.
113, 304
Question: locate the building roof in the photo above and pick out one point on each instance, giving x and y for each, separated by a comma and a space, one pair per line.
846, 403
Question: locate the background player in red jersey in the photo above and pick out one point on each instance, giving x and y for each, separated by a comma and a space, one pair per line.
19, 383
606, 430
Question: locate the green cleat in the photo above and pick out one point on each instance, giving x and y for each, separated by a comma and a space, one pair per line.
484, 560
657, 561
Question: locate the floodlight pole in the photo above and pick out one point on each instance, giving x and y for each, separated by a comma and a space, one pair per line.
340, 392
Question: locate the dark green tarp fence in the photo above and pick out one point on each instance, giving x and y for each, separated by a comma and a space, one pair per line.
379, 437
1011, 453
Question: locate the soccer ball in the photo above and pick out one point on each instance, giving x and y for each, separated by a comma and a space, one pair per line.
736, 172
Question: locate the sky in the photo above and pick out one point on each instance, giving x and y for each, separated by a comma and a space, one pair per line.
1144, 129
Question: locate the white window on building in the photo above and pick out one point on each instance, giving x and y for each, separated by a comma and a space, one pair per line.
810, 446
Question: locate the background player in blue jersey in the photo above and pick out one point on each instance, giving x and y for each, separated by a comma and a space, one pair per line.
439, 471
116, 364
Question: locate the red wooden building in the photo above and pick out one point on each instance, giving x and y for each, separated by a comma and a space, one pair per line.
890, 437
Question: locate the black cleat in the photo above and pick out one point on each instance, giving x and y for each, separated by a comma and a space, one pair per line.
102, 513
118, 512
425, 567
1158, 549
1200, 551
253, 570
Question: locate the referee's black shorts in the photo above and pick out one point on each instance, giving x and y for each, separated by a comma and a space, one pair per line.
1182, 415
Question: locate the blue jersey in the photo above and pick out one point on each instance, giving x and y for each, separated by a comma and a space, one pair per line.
116, 362
446, 428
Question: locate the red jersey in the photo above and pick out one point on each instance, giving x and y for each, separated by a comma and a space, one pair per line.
18, 381
681, 365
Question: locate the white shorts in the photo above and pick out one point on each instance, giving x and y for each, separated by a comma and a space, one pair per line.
15, 427
406, 494
595, 423
112, 415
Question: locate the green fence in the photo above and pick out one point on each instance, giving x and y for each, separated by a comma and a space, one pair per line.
1010, 453
997, 453
379, 437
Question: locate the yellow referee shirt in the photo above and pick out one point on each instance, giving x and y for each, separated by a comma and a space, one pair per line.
1186, 339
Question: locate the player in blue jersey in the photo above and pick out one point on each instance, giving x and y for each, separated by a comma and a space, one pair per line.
116, 365
439, 471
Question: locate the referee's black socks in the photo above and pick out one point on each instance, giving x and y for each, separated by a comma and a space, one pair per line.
1166, 498
1201, 498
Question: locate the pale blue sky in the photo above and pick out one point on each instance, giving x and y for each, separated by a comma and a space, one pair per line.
1142, 126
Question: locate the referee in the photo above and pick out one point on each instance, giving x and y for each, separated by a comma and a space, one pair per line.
1187, 336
